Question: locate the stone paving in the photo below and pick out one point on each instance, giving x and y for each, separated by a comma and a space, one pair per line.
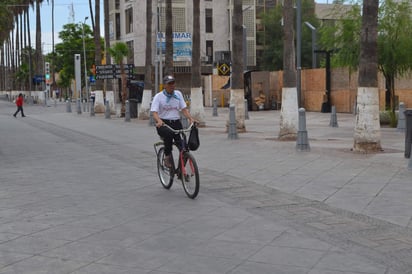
80, 194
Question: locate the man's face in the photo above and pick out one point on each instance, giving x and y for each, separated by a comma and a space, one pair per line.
170, 87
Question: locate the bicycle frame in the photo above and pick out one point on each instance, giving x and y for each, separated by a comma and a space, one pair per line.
184, 166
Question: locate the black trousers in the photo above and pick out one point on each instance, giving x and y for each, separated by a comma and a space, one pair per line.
19, 109
168, 136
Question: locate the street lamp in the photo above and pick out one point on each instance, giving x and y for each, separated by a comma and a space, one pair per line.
298, 48
313, 29
84, 58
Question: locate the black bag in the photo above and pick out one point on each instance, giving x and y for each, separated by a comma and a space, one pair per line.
194, 141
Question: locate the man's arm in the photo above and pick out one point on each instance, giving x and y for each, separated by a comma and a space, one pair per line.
157, 119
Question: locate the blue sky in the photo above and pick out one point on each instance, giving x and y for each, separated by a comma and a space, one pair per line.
63, 15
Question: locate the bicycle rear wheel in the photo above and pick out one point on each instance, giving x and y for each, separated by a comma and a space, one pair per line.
190, 175
165, 174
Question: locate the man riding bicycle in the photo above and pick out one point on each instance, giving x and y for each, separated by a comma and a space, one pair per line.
166, 107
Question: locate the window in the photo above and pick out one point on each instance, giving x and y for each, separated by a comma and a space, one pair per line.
209, 51
209, 20
130, 56
117, 26
129, 20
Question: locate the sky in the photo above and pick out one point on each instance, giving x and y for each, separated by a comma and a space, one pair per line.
63, 15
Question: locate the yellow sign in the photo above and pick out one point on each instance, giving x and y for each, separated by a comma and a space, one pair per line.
223, 69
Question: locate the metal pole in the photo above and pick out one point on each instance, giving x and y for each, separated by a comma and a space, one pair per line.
298, 48
84, 59
313, 29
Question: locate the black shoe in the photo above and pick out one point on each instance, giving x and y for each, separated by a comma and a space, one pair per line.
23, 116
14, 115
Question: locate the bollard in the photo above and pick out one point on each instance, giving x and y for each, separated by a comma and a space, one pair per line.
107, 112
151, 120
333, 118
410, 161
246, 110
68, 105
408, 135
127, 113
55, 103
91, 108
214, 107
401, 118
302, 142
232, 131
79, 107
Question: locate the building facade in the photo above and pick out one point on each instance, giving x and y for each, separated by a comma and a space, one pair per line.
127, 23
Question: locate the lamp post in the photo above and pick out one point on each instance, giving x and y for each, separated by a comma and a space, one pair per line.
313, 29
84, 60
298, 48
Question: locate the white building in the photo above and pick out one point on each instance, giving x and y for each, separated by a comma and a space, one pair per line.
128, 24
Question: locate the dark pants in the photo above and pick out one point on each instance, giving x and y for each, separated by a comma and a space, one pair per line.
19, 109
168, 136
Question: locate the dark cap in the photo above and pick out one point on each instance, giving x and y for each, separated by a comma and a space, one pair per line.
167, 79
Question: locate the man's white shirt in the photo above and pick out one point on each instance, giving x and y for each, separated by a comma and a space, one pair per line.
168, 107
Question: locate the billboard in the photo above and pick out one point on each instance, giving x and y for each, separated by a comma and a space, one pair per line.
182, 45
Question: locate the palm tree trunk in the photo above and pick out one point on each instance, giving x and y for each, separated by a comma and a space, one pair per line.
39, 54
144, 111
237, 93
367, 135
107, 83
97, 42
196, 94
289, 109
169, 38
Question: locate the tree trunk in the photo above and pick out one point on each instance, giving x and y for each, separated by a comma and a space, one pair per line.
196, 95
107, 83
169, 38
39, 50
237, 93
144, 111
367, 126
97, 43
289, 109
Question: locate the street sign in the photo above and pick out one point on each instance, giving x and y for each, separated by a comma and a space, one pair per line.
223, 69
113, 71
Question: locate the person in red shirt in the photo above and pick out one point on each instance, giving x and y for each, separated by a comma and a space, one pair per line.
19, 104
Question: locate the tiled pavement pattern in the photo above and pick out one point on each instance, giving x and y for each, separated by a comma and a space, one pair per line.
80, 194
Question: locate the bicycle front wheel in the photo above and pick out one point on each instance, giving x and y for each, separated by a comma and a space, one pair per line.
190, 175
165, 174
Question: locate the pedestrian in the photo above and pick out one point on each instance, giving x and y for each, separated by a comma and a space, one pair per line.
19, 104
166, 107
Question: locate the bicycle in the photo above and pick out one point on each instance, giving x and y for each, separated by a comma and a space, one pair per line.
187, 170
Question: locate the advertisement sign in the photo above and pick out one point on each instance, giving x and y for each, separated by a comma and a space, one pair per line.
182, 45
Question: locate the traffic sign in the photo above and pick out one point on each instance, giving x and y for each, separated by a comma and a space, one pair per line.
113, 71
223, 69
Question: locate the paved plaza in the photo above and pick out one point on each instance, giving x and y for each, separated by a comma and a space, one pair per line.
80, 194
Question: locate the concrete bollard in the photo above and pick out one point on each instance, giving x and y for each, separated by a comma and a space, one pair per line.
302, 142
107, 111
91, 108
246, 110
69, 105
401, 118
232, 130
333, 118
151, 119
410, 161
79, 107
127, 113
55, 103
214, 107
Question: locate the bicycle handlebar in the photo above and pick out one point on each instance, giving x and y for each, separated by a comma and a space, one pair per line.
177, 131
